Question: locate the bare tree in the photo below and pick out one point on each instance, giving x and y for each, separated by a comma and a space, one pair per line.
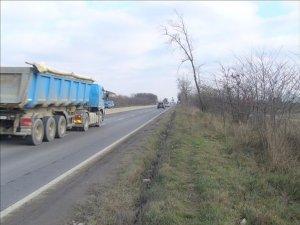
258, 99
184, 86
134, 99
262, 86
178, 35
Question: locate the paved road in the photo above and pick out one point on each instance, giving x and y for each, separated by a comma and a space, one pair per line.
26, 168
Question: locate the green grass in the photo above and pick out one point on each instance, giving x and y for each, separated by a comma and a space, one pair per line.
201, 181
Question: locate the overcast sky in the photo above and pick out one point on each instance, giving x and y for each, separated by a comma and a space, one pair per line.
120, 44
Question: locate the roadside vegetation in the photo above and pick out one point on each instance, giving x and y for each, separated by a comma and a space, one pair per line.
257, 93
193, 171
212, 177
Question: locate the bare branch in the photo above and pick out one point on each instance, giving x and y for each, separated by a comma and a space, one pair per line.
178, 35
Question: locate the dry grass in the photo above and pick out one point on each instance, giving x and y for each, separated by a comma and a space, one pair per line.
281, 150
274, 147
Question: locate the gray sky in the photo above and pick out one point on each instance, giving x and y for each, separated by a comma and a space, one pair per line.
120, 44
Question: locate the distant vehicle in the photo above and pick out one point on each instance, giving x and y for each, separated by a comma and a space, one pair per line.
161, 105
40, 103
172, 101
109, 104
166, 102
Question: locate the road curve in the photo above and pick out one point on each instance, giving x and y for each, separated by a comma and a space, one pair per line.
25, 168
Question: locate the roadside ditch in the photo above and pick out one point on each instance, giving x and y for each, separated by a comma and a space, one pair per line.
151, 173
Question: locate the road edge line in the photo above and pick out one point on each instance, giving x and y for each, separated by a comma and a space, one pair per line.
6, 212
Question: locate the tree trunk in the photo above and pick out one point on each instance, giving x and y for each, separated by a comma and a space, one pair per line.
201, 105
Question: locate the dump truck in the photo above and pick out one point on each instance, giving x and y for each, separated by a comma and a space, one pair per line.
40, 103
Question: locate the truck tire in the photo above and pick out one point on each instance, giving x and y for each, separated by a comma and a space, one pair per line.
86, 123
50, 128
61, 126
37, 133
100, 120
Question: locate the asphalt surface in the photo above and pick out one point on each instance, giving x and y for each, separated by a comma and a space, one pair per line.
25, 168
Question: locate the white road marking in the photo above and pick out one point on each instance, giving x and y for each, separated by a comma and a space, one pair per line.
4, 213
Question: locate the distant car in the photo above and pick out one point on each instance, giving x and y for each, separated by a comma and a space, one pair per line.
109, 104
167, 104
161, 105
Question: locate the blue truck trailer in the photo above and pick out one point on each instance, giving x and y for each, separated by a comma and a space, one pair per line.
40, 103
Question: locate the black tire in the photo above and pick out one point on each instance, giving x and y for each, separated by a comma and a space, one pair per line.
37, 133
50, 128
100, 120
86, 123
61, 126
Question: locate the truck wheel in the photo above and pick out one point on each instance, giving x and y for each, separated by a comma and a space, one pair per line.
86, 123
37, 133
50, 128
61, 126
100, 120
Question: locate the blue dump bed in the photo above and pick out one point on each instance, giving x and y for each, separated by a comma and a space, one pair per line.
25, 87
